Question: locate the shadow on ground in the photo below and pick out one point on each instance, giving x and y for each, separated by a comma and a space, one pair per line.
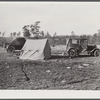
67, 57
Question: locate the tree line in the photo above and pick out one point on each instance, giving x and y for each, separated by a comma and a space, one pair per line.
33, 30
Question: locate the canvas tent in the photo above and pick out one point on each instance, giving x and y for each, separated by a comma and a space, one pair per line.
36, 49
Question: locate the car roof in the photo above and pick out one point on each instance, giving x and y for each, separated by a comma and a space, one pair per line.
78, 38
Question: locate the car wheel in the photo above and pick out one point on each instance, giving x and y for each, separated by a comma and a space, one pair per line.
77, 53
10, 49
96, 53
72, 53
92, 54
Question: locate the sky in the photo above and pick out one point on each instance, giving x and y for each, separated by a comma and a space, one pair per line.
59, 17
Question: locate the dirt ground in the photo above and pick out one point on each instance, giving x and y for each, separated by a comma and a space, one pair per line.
59, 72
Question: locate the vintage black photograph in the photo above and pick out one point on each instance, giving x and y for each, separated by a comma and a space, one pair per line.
49, 45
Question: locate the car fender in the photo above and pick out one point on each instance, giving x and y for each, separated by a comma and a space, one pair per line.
94, 50
70, 49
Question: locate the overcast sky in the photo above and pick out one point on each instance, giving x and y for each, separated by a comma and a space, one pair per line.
60, 17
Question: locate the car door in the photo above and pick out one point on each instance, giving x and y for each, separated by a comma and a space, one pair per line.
83, 44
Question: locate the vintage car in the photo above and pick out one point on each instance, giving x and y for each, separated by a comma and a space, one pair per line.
75, 46
16, 44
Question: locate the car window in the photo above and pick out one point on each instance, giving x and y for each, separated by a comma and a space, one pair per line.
84, 44
74, 41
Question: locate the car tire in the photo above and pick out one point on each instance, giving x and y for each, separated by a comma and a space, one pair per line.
10, 49
72, 53
92, 53
78, 54
96, 53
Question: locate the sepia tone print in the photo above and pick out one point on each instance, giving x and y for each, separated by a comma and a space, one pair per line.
49, 46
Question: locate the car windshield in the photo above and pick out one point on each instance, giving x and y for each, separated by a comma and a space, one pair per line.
74, 41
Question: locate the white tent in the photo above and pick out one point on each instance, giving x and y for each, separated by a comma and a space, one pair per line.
36, 49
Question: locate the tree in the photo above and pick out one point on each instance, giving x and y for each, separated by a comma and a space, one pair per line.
98, 36
47, 35
72, 33
42, 33
34, 29
94, 39
83, 36
55, 34
3, 34
0, 33
26, 32
14, 34
18, 34
11, 34
89, 37
98, 31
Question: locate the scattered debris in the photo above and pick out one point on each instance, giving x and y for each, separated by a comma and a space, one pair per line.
63, 81
10, 75
86, 78
48, 71
72, 86
43, 61
60, 61
86, 65
17, 57
7, 67
68, 67
95, 62
80, 66
30, 72
82, 58
63, 53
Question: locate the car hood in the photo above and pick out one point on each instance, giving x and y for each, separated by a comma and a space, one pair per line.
92, 45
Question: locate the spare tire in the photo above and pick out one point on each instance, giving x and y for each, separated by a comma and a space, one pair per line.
10, 49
